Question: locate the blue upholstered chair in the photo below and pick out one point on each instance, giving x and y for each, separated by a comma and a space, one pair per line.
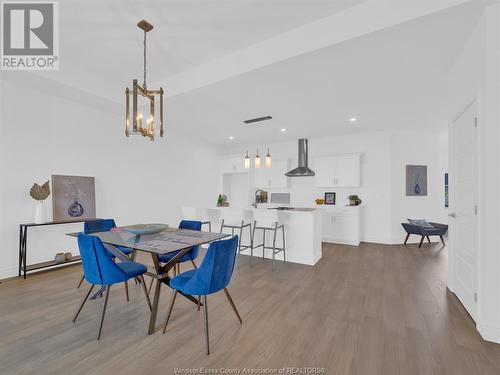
104, 225
189, 256
213, 275
100, 269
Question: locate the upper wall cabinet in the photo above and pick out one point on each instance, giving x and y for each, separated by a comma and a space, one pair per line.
233, 165
337, 171
273, 177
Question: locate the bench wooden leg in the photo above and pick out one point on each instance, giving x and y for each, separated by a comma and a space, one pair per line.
421, 240
406, 239
442, 240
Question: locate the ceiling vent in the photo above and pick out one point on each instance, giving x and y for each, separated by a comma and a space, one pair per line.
258, 119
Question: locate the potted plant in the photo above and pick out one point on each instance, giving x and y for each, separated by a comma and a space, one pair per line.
354, 200
40, 193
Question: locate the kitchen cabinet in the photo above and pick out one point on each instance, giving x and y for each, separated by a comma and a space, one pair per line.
273, 177
341, 226
233, 165
337, 171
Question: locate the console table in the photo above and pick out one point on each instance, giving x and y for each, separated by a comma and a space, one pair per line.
23, 241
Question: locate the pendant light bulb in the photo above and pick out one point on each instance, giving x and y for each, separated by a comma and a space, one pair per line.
247, 161
257, 160
268, 159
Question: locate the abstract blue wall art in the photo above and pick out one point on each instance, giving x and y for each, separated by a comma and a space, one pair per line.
73, 197
416, 180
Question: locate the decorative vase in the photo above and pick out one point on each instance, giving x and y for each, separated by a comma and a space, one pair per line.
75, 209
39, 213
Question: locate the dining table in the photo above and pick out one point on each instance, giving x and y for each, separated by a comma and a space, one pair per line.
169, 240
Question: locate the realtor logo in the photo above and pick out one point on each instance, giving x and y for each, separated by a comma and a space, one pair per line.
30, 36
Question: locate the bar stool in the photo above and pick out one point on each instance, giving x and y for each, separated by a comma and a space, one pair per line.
238, 219
268, 220
197, 214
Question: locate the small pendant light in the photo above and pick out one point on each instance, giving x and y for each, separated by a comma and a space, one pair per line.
257, 160
268, 159
247, 161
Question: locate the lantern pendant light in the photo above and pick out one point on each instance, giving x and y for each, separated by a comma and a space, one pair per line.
147, 97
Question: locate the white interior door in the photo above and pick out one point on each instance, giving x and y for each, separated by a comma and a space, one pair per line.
463, 209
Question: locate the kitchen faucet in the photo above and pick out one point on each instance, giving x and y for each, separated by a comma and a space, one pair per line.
257, 195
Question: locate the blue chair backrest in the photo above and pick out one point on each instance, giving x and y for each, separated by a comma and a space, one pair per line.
216, 270
98, 267
192, 225
100, 225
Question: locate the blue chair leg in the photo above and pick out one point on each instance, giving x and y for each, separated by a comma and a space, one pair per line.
83, 302
226, 292
81, 281
126, 290
205, 323
105, 304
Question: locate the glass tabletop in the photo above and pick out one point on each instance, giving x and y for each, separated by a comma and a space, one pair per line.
166, 241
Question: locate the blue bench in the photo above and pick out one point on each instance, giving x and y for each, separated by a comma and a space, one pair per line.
435, 229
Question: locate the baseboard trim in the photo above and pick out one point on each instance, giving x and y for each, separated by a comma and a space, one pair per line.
340, 241
489, 333
383, 241
8, 273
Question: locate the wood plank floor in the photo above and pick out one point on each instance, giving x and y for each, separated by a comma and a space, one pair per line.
365, 310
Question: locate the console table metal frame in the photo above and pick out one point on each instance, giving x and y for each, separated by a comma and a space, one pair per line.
23, 242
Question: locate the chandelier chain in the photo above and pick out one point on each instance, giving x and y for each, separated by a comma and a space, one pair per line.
144, 59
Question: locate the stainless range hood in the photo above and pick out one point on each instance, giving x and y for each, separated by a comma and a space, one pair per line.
302, 170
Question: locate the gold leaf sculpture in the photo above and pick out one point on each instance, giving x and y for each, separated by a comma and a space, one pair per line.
40, 193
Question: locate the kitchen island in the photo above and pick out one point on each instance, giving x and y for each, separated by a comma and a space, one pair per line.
302, 233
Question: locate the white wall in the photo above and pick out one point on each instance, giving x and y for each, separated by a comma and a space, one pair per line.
476, 75
384, 157
418, 148
137, 181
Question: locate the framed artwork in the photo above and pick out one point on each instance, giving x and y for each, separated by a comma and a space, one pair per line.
73, 197
330, 198
416, 180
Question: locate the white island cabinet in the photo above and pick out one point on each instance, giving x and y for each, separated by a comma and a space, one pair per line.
302, 234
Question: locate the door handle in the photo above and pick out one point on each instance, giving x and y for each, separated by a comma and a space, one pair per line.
452, 215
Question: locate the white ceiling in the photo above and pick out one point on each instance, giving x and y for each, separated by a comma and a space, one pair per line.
101, 46
391, 79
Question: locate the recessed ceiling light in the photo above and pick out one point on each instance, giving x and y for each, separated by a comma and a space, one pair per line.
353, 119
231, 137
283, 130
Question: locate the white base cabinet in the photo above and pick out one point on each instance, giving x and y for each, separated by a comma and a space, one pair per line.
341, 225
